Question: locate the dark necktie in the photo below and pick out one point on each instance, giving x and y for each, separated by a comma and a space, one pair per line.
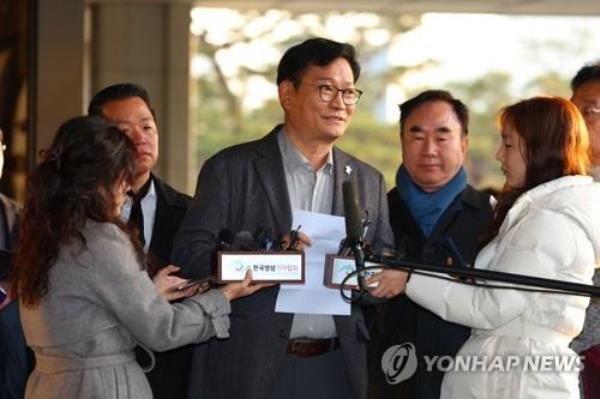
4, 233
136, 216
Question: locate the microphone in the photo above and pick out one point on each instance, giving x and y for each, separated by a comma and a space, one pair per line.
351, 213
225, 239
264, 238
471, 276
354, 230
244, 241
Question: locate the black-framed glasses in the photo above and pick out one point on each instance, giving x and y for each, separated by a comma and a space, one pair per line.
328, 93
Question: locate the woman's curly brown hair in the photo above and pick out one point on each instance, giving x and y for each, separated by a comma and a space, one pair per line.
74, 182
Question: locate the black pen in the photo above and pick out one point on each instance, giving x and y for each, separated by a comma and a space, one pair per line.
294, 238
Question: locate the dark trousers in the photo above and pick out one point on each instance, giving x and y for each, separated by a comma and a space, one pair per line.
319, 377
16, 360
590, 375
170, 377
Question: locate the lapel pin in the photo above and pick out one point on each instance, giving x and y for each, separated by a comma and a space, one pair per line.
348, 170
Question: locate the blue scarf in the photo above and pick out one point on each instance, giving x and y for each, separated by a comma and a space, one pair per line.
426, 208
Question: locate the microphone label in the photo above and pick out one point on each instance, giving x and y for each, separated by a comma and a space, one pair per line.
276, 267
338, 267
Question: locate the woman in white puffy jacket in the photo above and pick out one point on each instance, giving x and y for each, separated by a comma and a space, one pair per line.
547, 224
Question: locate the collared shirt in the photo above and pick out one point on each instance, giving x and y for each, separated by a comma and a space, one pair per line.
308, 190
148, 210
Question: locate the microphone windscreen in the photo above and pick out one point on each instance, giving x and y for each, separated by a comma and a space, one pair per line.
263, 237
351, 212
225, 236
244, 241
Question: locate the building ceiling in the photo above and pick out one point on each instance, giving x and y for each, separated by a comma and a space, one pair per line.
519, 7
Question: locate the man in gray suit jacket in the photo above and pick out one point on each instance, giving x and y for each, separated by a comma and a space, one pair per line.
257, 184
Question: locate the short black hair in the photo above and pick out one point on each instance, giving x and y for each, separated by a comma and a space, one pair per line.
587, 73
119, 91
459, 108
316, 51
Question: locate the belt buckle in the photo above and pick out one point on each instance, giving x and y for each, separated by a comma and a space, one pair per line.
295, 347
303, 348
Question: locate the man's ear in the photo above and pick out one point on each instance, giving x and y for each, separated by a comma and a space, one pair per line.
286, 93
464, 143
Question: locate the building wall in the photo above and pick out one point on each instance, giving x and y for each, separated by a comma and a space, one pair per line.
82, 47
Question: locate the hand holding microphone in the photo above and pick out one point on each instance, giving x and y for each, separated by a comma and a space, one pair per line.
389, 283
243, 288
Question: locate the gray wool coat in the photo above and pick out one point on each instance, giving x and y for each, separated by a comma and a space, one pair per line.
99, 304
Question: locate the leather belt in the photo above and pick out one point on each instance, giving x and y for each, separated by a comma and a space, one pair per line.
306, 347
